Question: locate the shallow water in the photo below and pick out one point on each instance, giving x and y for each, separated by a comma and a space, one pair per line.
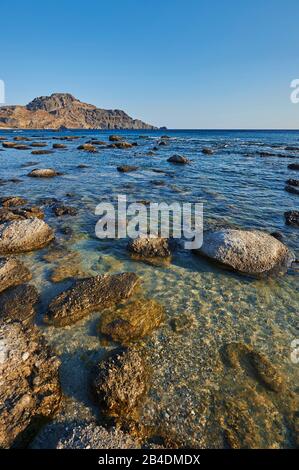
238, 187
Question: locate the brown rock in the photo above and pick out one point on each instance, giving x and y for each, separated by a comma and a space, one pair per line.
126, 168
43, 173
88, 148
12, 273
24, 235
178, 159
150, 247
18, 304
12, 201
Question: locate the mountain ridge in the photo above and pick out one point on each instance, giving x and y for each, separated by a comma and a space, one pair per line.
64, 110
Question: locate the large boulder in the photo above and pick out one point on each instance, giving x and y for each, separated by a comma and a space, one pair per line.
132, 321
12, 273
24, 235
29, 386
88, 295
120, 383
251, 252
18, 303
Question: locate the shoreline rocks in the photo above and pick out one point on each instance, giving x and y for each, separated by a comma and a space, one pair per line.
24, 235
150, 247
88, 295
12, 273
18, 304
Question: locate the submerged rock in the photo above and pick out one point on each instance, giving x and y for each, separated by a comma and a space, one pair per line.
88, 148
29, 387
41, 152
122, 145
251, 252
291, 189
90, 294
132, 321
293, 166
115, 138
20, 213
121, 383
292, 218
207, 151
292, 182
12, 201
126, 168
178, 159
24, 235
64, 210
18, 304
59, 146
150, 246
43, 173
12, 273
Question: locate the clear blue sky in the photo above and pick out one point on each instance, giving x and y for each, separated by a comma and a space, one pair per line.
179, 63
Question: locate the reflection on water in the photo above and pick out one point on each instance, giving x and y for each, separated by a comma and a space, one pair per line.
205, 307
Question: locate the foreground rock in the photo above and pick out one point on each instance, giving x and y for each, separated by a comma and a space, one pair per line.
12, 273
24, 235
29, 387
121, 383
43, 173
250, 252
178, 159
18, 304
87, 295
292, 218
150, 247
92, 436
132, 321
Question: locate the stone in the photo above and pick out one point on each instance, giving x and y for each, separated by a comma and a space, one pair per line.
291, 189
292, 182
64, 210
132, 321
126, 168
150, 246
251, 252
207, 151
8, 145
43, 173
38, 144
88, 148
90, 294
18, 304
12, 201
293, 166
59, 146
24, 235
178, 159
41, 152
292, 218
21, 147
29, 390
120, 383
115, 138
122, 145
12, 273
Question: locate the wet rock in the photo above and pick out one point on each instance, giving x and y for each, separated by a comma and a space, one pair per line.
91, 436
162, 143
279, 236
178, 159
91, 294
292, 218
132, 321
293, 166
291, 189
207, 151
150, 246
150, 153
43, 173
158, 182
38, 144
21, 147
59, 146
115, 138
292, 182
29, 387
127, 168
64, 210
18, 304
122, 145
41, 152
24, 235
20, 138
96, 142
12, 201
9, 145
68, 266
82, 165
121, 383
251, 252
12, 273
88, 148
29, 212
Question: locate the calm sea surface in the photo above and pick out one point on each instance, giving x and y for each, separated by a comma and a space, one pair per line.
239, 187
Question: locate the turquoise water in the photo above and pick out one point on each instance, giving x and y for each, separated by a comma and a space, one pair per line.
238, 187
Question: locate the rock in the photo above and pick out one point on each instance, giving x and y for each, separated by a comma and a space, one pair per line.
88, 148
279, 236
162, 142
251, 252
21, 147
291, 189
12, 201
41, 152
127, 168
64, 210
293, 166
29, 387
122, 145
165, 137
8, 145
132, 321
24, 235
20, 213
121, 383
19, 138
59, 146
207, 151
92, 436
82, 165
38, 144
292, 182
292, 218
43, 173
115, 138
96, 142
150, 246
90, 294
12, 273
178, 159
68, 266
18, 304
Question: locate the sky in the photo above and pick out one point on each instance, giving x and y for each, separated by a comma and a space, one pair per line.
192, 64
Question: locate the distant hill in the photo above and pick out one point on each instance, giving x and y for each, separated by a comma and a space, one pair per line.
64, 110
